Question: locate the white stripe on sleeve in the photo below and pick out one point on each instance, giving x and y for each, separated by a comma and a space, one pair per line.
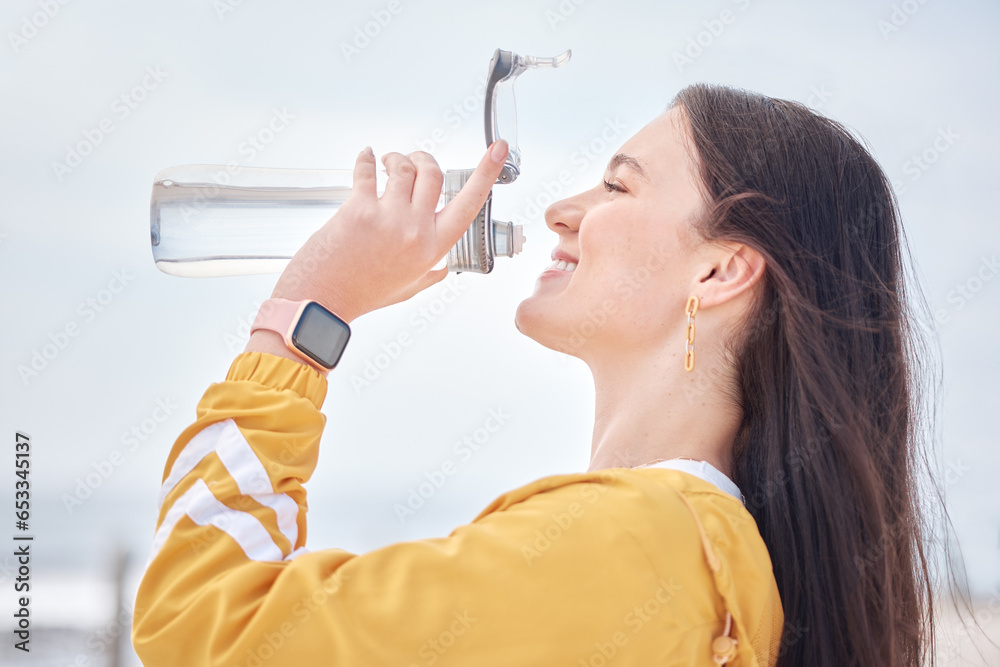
239, 459
203, 507
197, 448
245, 467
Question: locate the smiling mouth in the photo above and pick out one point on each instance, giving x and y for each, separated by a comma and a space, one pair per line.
561, 266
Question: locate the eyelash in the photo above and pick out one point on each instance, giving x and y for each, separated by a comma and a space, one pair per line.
611, 187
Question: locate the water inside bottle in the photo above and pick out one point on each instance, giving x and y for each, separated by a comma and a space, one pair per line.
206, 222
209, 230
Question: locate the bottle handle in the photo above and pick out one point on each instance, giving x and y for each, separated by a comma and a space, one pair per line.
505, 67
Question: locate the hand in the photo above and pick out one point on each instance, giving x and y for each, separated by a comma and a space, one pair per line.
375, 252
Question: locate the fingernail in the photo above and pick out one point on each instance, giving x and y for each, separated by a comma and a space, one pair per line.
367, 152
498, 151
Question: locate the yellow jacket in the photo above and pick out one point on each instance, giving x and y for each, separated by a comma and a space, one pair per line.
615, 567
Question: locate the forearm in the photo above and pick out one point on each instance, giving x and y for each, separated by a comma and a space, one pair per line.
232, 504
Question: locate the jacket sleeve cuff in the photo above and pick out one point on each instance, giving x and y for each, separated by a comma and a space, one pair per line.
277, 372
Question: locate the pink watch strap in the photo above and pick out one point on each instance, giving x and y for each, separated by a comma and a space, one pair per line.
278, 315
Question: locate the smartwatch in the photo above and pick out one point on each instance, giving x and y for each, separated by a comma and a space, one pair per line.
309, 330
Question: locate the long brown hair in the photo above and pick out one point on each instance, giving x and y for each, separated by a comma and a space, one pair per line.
829, 374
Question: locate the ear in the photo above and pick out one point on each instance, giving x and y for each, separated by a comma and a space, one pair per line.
737, 268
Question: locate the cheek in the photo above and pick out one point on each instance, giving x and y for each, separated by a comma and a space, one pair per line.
643, 253
643, 276
607, 248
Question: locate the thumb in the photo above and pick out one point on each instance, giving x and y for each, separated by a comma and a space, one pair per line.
408, 292
458, 214
433, 277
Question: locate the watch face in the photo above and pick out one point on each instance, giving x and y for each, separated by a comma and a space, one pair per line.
321, 335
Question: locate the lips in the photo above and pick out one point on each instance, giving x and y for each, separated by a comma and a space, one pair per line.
563, 264
558, 254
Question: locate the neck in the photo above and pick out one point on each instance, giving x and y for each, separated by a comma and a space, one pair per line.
648, 407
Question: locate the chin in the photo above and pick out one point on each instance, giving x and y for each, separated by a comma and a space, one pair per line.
523, 317
536, 322
530, 318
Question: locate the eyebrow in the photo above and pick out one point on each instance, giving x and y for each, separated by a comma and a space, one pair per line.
630, 162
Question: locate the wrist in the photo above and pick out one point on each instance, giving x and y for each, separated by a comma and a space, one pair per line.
299, 290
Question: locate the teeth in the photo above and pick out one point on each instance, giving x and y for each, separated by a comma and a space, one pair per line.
563, 265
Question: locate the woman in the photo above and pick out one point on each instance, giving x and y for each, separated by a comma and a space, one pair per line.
751, 505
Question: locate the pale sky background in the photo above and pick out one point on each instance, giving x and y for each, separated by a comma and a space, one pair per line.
63, 236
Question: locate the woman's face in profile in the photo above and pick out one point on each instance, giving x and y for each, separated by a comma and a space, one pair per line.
633, 246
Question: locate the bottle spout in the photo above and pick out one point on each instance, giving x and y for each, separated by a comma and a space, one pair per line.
508, 238
532, 62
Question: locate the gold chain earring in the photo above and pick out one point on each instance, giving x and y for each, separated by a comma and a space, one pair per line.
691, 309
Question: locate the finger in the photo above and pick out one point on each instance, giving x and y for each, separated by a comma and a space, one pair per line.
427, 186
402, 172
364, 174
455, 218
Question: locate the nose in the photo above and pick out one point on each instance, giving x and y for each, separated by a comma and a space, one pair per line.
565, 214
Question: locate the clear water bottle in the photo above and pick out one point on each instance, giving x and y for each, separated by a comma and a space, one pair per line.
207, 221
210, 220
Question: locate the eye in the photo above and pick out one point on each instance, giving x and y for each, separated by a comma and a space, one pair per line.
612, 187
